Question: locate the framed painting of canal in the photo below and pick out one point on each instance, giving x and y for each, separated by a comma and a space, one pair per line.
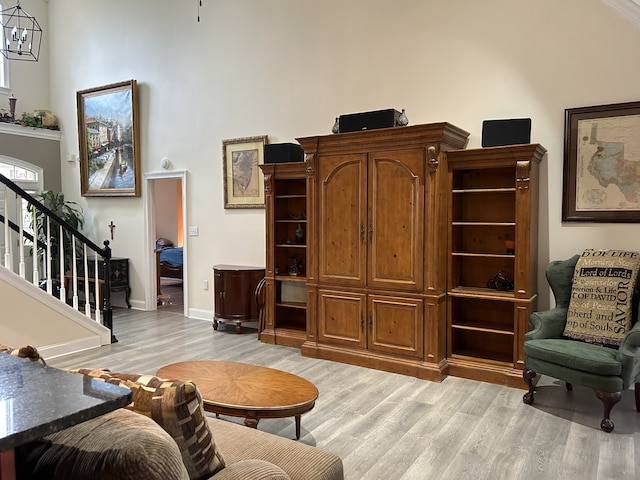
108, 136
242, 178
602, 164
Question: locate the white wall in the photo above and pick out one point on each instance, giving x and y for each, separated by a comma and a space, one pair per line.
287, 68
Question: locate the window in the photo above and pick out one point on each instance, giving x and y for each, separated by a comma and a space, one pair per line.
27, 176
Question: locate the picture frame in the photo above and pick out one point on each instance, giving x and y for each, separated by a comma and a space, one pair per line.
602, 164
243, 178
108, 140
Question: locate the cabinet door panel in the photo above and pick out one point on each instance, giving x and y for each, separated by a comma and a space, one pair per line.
396, 219
396, 325
342, 210
341, 318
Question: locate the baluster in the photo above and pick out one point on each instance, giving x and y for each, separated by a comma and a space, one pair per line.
48, 257
63, 290
35, 258
87, 305
7, 238
75, 274
97, 297
21, 265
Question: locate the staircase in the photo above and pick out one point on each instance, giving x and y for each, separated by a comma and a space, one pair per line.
46, 303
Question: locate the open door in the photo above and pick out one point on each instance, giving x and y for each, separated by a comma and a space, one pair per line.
165, 200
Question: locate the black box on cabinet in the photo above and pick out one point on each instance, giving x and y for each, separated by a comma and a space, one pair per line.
514, 131
354, 122
283, 152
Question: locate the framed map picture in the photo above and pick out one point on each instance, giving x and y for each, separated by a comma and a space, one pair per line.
242, 177
602, 164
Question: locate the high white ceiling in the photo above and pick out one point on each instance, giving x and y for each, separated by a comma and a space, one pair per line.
630, 9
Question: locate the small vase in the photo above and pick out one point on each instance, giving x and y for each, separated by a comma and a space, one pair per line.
403, 121
12, 107
299, 235
336, 126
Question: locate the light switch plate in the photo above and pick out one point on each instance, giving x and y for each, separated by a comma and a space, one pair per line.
193, 231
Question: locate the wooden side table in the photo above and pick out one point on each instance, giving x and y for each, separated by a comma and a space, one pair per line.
234, 294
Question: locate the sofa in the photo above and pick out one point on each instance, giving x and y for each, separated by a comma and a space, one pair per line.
166, 434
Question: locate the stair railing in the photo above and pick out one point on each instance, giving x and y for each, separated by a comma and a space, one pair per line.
44, 252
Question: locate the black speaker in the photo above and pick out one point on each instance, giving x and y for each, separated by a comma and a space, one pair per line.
283, 152
496, 133
354, 122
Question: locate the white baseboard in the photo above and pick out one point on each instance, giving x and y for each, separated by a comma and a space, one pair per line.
52, 351
200, 314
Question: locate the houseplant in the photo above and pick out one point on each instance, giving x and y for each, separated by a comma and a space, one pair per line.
68, 211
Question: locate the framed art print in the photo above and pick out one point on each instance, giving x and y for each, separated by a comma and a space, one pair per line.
243, 179
108, 139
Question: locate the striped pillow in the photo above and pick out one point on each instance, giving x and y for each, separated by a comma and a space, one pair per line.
176, 405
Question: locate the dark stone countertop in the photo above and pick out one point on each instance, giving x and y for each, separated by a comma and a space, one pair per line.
36, 400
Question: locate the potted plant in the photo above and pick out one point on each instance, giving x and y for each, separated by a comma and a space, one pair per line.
68, 211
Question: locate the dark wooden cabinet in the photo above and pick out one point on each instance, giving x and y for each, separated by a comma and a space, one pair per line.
493, 219
235, 294
119, 276
378, 297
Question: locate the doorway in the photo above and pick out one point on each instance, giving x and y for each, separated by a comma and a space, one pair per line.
165, 207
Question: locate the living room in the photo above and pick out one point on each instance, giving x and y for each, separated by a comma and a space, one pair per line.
286, 69
294, 74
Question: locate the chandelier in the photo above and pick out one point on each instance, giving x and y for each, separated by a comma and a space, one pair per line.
21, 34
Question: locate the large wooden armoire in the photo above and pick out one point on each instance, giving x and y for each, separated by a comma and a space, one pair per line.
376, 243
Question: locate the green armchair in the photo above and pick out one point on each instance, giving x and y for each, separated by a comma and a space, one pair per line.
607, 370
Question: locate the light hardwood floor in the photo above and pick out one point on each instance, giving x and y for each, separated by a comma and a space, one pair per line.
388, 426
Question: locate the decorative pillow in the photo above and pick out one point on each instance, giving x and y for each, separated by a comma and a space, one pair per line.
602, 296
119, 445
29, 352
176, 406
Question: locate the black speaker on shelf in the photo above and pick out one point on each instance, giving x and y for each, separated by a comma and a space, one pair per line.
355, 122
283, 152
514, 131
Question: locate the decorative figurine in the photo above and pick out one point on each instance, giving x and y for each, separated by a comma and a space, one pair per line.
296, 267
500, 282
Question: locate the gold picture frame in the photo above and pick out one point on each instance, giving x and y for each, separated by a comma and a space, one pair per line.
242, 176
108, 140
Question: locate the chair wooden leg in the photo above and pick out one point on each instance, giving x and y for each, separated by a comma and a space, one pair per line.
637, 390
528, 376
609, 400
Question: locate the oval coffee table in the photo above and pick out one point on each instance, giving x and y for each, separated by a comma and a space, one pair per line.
244, 390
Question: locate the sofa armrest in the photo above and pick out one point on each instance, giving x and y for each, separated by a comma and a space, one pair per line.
547, 324
629, 356
251, 470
